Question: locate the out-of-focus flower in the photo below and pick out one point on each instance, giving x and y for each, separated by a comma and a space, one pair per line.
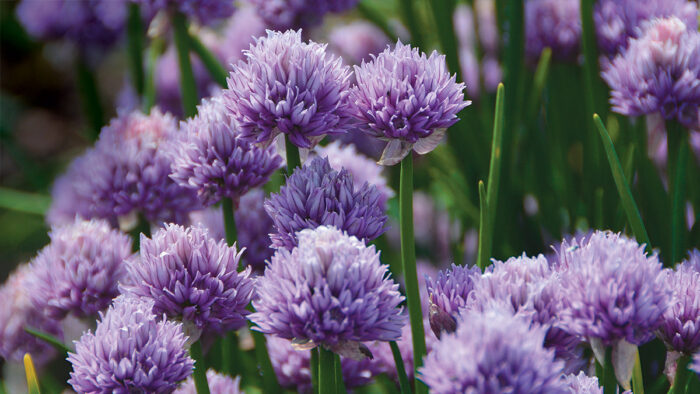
357, 41
240, 32
680, 327
124, 175
218, 384
616, 21
447, 294
191, 278
18, 312
130, 351
295, 14
406, 98
291, 87
203, 11
331, 290
212, 159
78, 272
505, 354
659, 72
488, 27
555, 24
695, 366
582, 384
316, 195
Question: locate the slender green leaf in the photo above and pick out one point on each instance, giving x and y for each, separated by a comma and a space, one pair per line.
400, 368
149, 94
50, 339
188, 86
32, 381
482, 257
90, 97
24, 202
216, 69
372, 15
326, 371
637, 377
540, 80
293, 159
134, 35
200, 369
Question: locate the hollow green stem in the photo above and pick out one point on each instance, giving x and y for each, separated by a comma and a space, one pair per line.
293, 159
482, 258
369, 13
200, 370
637, 377
408, 259
90, 96
326, 371
606, 374
400, 368
188, 87
212, 64
134, 35
229, 220
682, 376
50, 339
678, 149
149, 93
269, 379
339, 383
230, 354
411, 18
314, 369
539, 81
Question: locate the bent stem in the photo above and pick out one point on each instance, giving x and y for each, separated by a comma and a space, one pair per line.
200, 370
326, 371
50, 339
408, 258
188, 87
400, 368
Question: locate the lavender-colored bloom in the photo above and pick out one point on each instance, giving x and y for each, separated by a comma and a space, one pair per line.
331, 290
357, 41
130, 351
582, 384
659, 72
18, 312
203, 11
240, 32
406, 98
695, 366
295, 14
363, 169
77, 273
447, 294
505, 354
218, 384
612, 289
317, 195
252, 223
492, 73
212, 159
488, 27
192, 278
680, 329
125, 174
617, 21
555, 24
291, 87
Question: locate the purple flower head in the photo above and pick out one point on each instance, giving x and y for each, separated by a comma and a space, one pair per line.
88, 23
407, 98
130, 351
218, 384
617, 21
357, 41
582, 384
212, 159
192, 278
331, 290
612, 289
363, 169
203, 11
18, 312
505, 354
317, 195
555, 24
447, 294
680, 328
295, 14
78, 272
291, 87
125, 174
659, 72
240, 32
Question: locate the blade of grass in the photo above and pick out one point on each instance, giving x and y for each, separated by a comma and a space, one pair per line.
50, 339
23, 201
149, 93
326, 371
134, 35
188, 86
216, 69
200, 371
32, 381
369, 13
637, 378
623, 189
540, 79
481, 257
400, 368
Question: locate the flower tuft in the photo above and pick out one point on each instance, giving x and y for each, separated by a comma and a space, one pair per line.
218, 384
680, 328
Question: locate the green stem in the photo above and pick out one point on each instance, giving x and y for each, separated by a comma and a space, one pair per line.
608, 379
269, 379
400, 368
682, 375
442, 13
623, 189
216, 69
411, 18
408, 258
188, 87
326, 371
149, 94
20, 201
637, 377
482, 258
678, 148
293, 159
50, 339
229, 220
230, 354
134, 35
142, 227
339, 383
90, 96
369, 13
539, 81
200, 370
314, 369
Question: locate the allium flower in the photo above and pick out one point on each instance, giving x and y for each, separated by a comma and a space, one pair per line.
447, 294
555, 24
18, 312
317, 195
357, 41
363, 169
212, 159
505, 354
289, 86
582, 384
331, 290
252, 223
406, 98
130, 351
240, 32
125, 174
616, 21
77, 273
192, 278
680, 328
218, 384
659, 72
294, 14
203, 11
